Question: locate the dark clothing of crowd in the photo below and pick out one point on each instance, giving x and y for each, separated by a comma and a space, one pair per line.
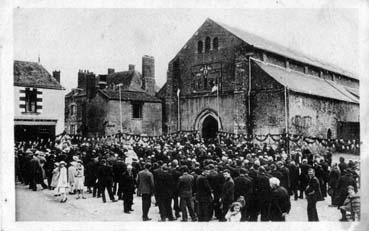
200, 192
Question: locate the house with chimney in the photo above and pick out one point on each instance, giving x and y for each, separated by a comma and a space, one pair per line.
38, 102
123, 101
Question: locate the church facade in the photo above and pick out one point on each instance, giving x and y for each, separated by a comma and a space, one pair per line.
226, 79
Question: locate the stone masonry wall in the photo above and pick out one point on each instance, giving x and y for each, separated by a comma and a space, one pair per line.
313, 116
150, 124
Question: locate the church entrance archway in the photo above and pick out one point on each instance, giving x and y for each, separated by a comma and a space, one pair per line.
209, 128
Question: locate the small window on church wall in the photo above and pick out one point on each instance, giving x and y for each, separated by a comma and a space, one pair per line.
215, 44
137, 110
207, 44
199, 47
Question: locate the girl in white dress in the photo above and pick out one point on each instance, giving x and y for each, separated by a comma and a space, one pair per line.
79, 179
62, 184
234, 213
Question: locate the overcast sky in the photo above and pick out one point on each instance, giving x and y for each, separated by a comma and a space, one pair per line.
98, 39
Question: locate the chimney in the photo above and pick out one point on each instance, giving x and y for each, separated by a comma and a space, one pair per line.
91, 84
131, 67
82, 80
56, 75
148, 74
102, 81
111, 71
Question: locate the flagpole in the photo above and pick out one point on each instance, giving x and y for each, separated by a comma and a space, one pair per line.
218, 107
120, 107
179, 116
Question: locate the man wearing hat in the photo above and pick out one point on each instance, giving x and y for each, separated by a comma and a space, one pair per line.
227, 195
164, 189
145, 182
185, 184
105, 179
203, 196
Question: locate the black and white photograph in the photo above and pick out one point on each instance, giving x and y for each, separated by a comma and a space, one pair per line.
186, 116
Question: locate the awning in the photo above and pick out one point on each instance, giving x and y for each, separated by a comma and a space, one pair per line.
307, 84
34, 122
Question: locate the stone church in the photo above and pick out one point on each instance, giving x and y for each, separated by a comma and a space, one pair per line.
227, 79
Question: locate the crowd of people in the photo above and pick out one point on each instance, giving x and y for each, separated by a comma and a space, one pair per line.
191, 179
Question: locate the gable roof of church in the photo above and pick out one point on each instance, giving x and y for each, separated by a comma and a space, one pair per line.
264, 44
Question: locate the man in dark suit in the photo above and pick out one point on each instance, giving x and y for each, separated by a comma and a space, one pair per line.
176, 173
243, 187
145, 182
344, 181
280, 204
304, 178
164, 185
313, 194
227, 195
294, 178
216, 181
127, 188
262, 191
185, 185
105, 179
203, 197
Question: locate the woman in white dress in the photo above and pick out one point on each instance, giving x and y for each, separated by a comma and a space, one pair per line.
79, 179
55, 176
62, 184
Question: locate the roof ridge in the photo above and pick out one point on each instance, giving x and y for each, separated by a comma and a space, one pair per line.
300, 54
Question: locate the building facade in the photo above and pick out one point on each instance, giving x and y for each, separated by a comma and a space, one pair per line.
38, 102
227, 79
117, 101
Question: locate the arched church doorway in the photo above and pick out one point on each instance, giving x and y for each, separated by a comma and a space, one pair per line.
209, 127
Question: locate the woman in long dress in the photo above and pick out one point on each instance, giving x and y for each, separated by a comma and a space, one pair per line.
55, 176
62, 184
79, 179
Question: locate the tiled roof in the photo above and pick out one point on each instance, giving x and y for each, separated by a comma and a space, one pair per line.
32, 74
266, 45
131, 80
129, 95
302, 83
162, 92
75, 92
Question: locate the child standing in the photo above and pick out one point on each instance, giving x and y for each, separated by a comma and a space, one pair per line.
62, 184
80, 179
234, 212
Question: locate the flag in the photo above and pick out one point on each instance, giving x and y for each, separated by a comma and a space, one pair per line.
178, 91
214, 88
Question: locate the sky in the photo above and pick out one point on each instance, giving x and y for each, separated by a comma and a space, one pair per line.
97, 39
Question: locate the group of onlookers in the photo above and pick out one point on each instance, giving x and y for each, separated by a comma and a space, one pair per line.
195, 180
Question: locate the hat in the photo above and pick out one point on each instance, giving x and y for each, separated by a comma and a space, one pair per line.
236, 204
62, 162
226, 170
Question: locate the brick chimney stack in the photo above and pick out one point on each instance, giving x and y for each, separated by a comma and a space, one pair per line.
148, 74
131, 67
111, 71
56, 75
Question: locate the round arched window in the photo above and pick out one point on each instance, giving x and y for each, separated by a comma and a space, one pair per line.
215, 44
199, 47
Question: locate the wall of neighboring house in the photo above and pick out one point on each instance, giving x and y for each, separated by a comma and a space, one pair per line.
52, 107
